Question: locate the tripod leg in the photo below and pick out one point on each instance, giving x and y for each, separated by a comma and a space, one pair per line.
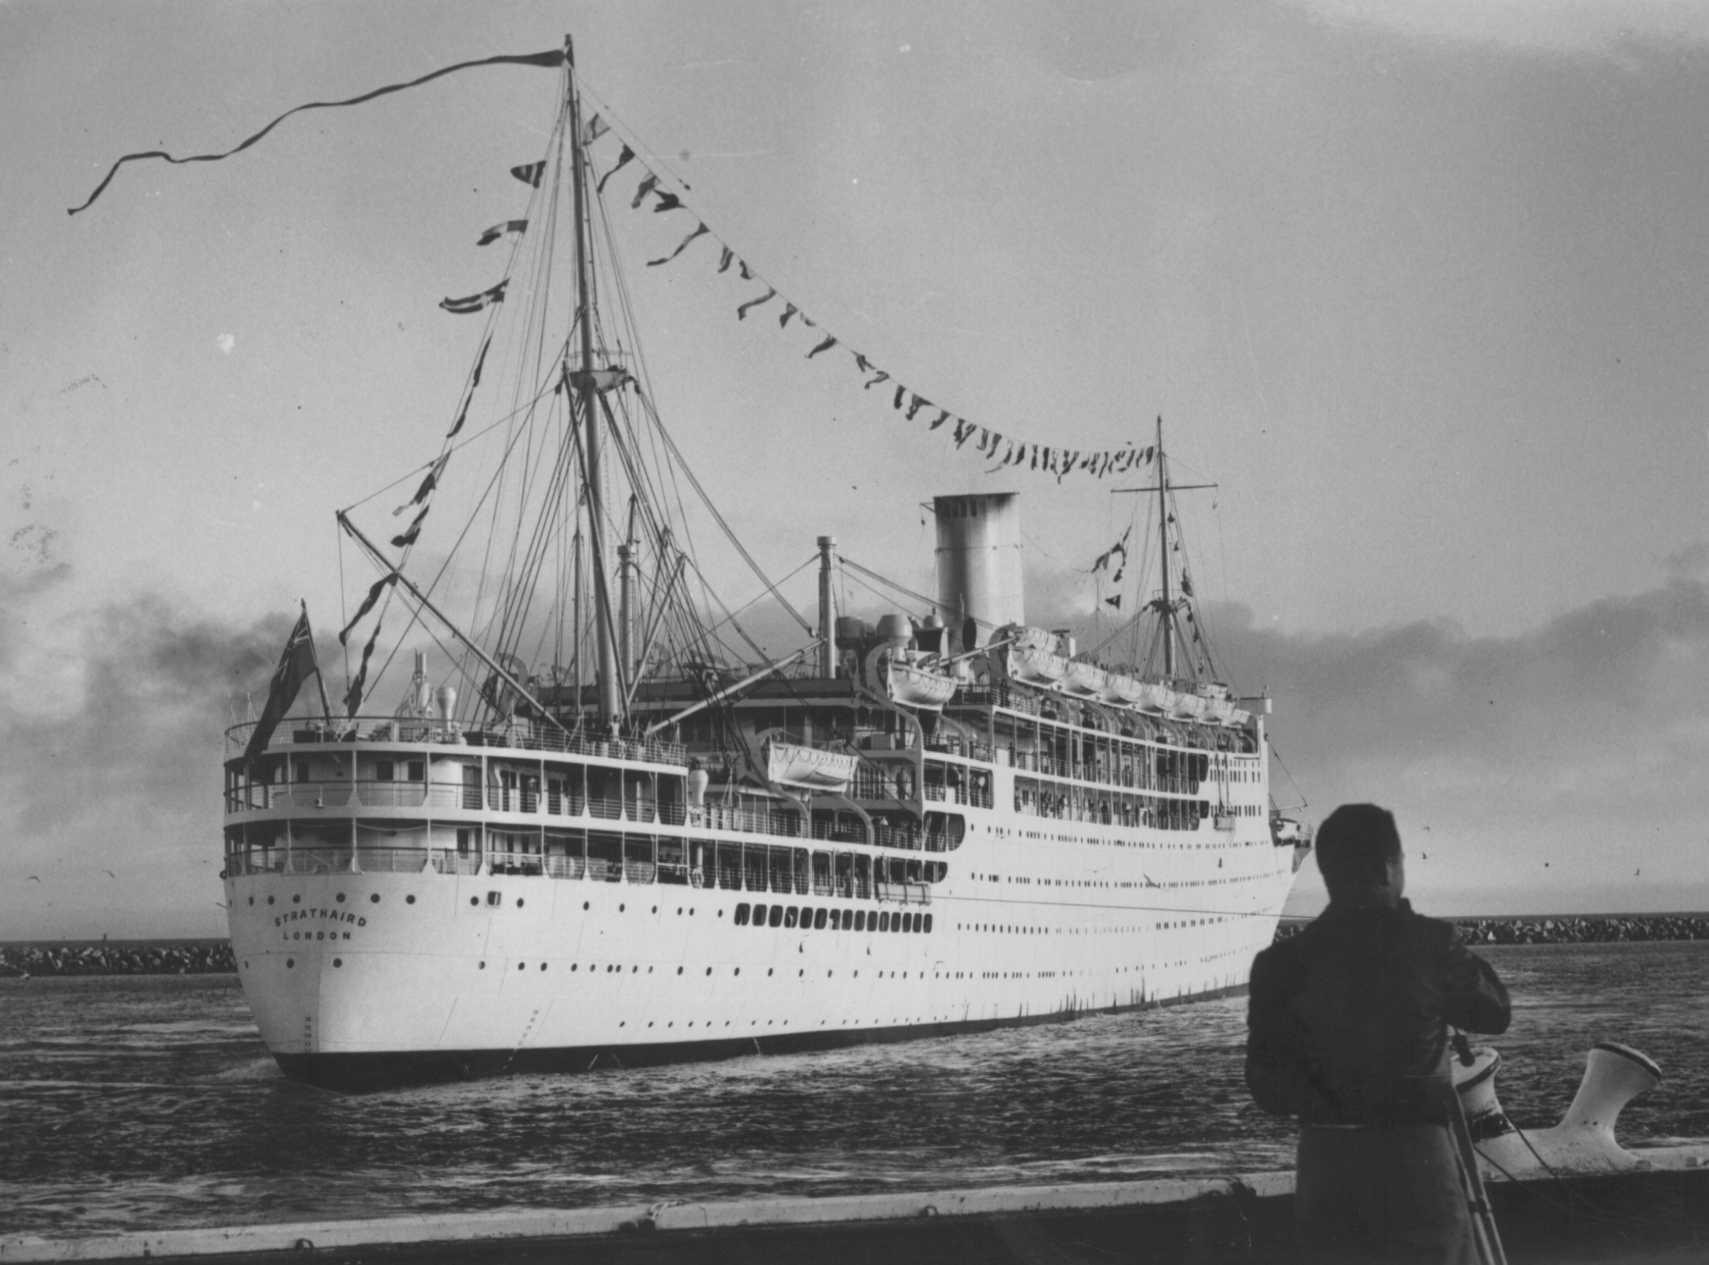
1484, 1231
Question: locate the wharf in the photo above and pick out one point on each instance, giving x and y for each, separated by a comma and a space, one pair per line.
1657, 1214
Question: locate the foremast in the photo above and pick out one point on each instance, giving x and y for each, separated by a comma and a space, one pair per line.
585, 383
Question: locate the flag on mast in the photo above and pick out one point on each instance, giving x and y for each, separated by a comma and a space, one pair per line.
296, 665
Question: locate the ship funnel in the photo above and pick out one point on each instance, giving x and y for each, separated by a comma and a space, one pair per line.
979, 563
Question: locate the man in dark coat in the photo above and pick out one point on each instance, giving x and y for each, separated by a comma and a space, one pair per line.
1348, 1031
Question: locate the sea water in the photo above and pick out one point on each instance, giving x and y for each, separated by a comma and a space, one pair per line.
137, 1103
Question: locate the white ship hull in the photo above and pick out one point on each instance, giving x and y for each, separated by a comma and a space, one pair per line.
374, 967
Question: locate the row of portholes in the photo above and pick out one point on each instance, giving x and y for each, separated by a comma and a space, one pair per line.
796, 916
373, 898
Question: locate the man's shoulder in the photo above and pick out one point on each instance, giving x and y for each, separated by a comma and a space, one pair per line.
1280, 956
1434, 933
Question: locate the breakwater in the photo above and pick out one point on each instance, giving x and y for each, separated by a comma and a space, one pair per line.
117, 957
1564, 928
213, 957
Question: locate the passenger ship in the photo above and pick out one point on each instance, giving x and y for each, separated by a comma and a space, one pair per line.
598, 835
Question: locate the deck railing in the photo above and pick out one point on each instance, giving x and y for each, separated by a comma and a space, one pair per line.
328, 859
524, 735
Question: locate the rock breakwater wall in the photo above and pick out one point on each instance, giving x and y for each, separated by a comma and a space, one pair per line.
1565, 928
144, 957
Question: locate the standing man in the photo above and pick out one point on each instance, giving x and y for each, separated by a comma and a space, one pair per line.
1348, 1031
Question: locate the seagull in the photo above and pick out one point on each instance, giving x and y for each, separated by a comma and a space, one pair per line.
109, 874
32, 879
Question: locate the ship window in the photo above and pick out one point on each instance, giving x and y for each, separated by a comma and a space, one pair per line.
382, 770
417, 770
860, 920
819, 920
790, 916
928, 922
742, 914
302, 772
776, 919
884, 921
759, 915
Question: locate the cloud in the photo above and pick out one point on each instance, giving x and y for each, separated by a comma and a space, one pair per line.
1604, 28
113, 733
225, 342
1542, 763
1687, 562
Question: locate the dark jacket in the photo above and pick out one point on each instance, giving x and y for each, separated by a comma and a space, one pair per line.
1347, 1022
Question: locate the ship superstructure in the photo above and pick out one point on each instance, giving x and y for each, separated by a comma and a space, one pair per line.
600, 839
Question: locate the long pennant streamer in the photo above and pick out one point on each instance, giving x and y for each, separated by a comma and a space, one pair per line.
549, 59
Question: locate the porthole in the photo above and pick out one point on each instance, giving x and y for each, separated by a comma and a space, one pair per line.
483, 966
252, 900
409, 900
297, 899
519, 902
340, 898
374, 899
269, 900
474, 900
290, 962
338, 961
522, 966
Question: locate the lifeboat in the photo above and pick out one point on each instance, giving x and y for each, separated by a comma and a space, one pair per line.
1156, 697
1122, 688
1036, 665
915, 685
1086, 678
1218, 707
811, 768
1186, 706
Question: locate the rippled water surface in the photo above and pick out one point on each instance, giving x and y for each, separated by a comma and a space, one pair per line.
143, 1103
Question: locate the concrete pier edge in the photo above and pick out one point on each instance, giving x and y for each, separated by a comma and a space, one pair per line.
688, 1219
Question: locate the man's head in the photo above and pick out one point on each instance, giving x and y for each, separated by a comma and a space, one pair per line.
1359, 854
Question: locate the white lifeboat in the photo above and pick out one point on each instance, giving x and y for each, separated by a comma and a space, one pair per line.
915, 685
810, 768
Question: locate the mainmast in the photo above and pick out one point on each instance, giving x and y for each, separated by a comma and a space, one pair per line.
586, 387
1164, 605
1165, 609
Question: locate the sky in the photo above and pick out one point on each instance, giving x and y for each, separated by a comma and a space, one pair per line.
1420, 287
